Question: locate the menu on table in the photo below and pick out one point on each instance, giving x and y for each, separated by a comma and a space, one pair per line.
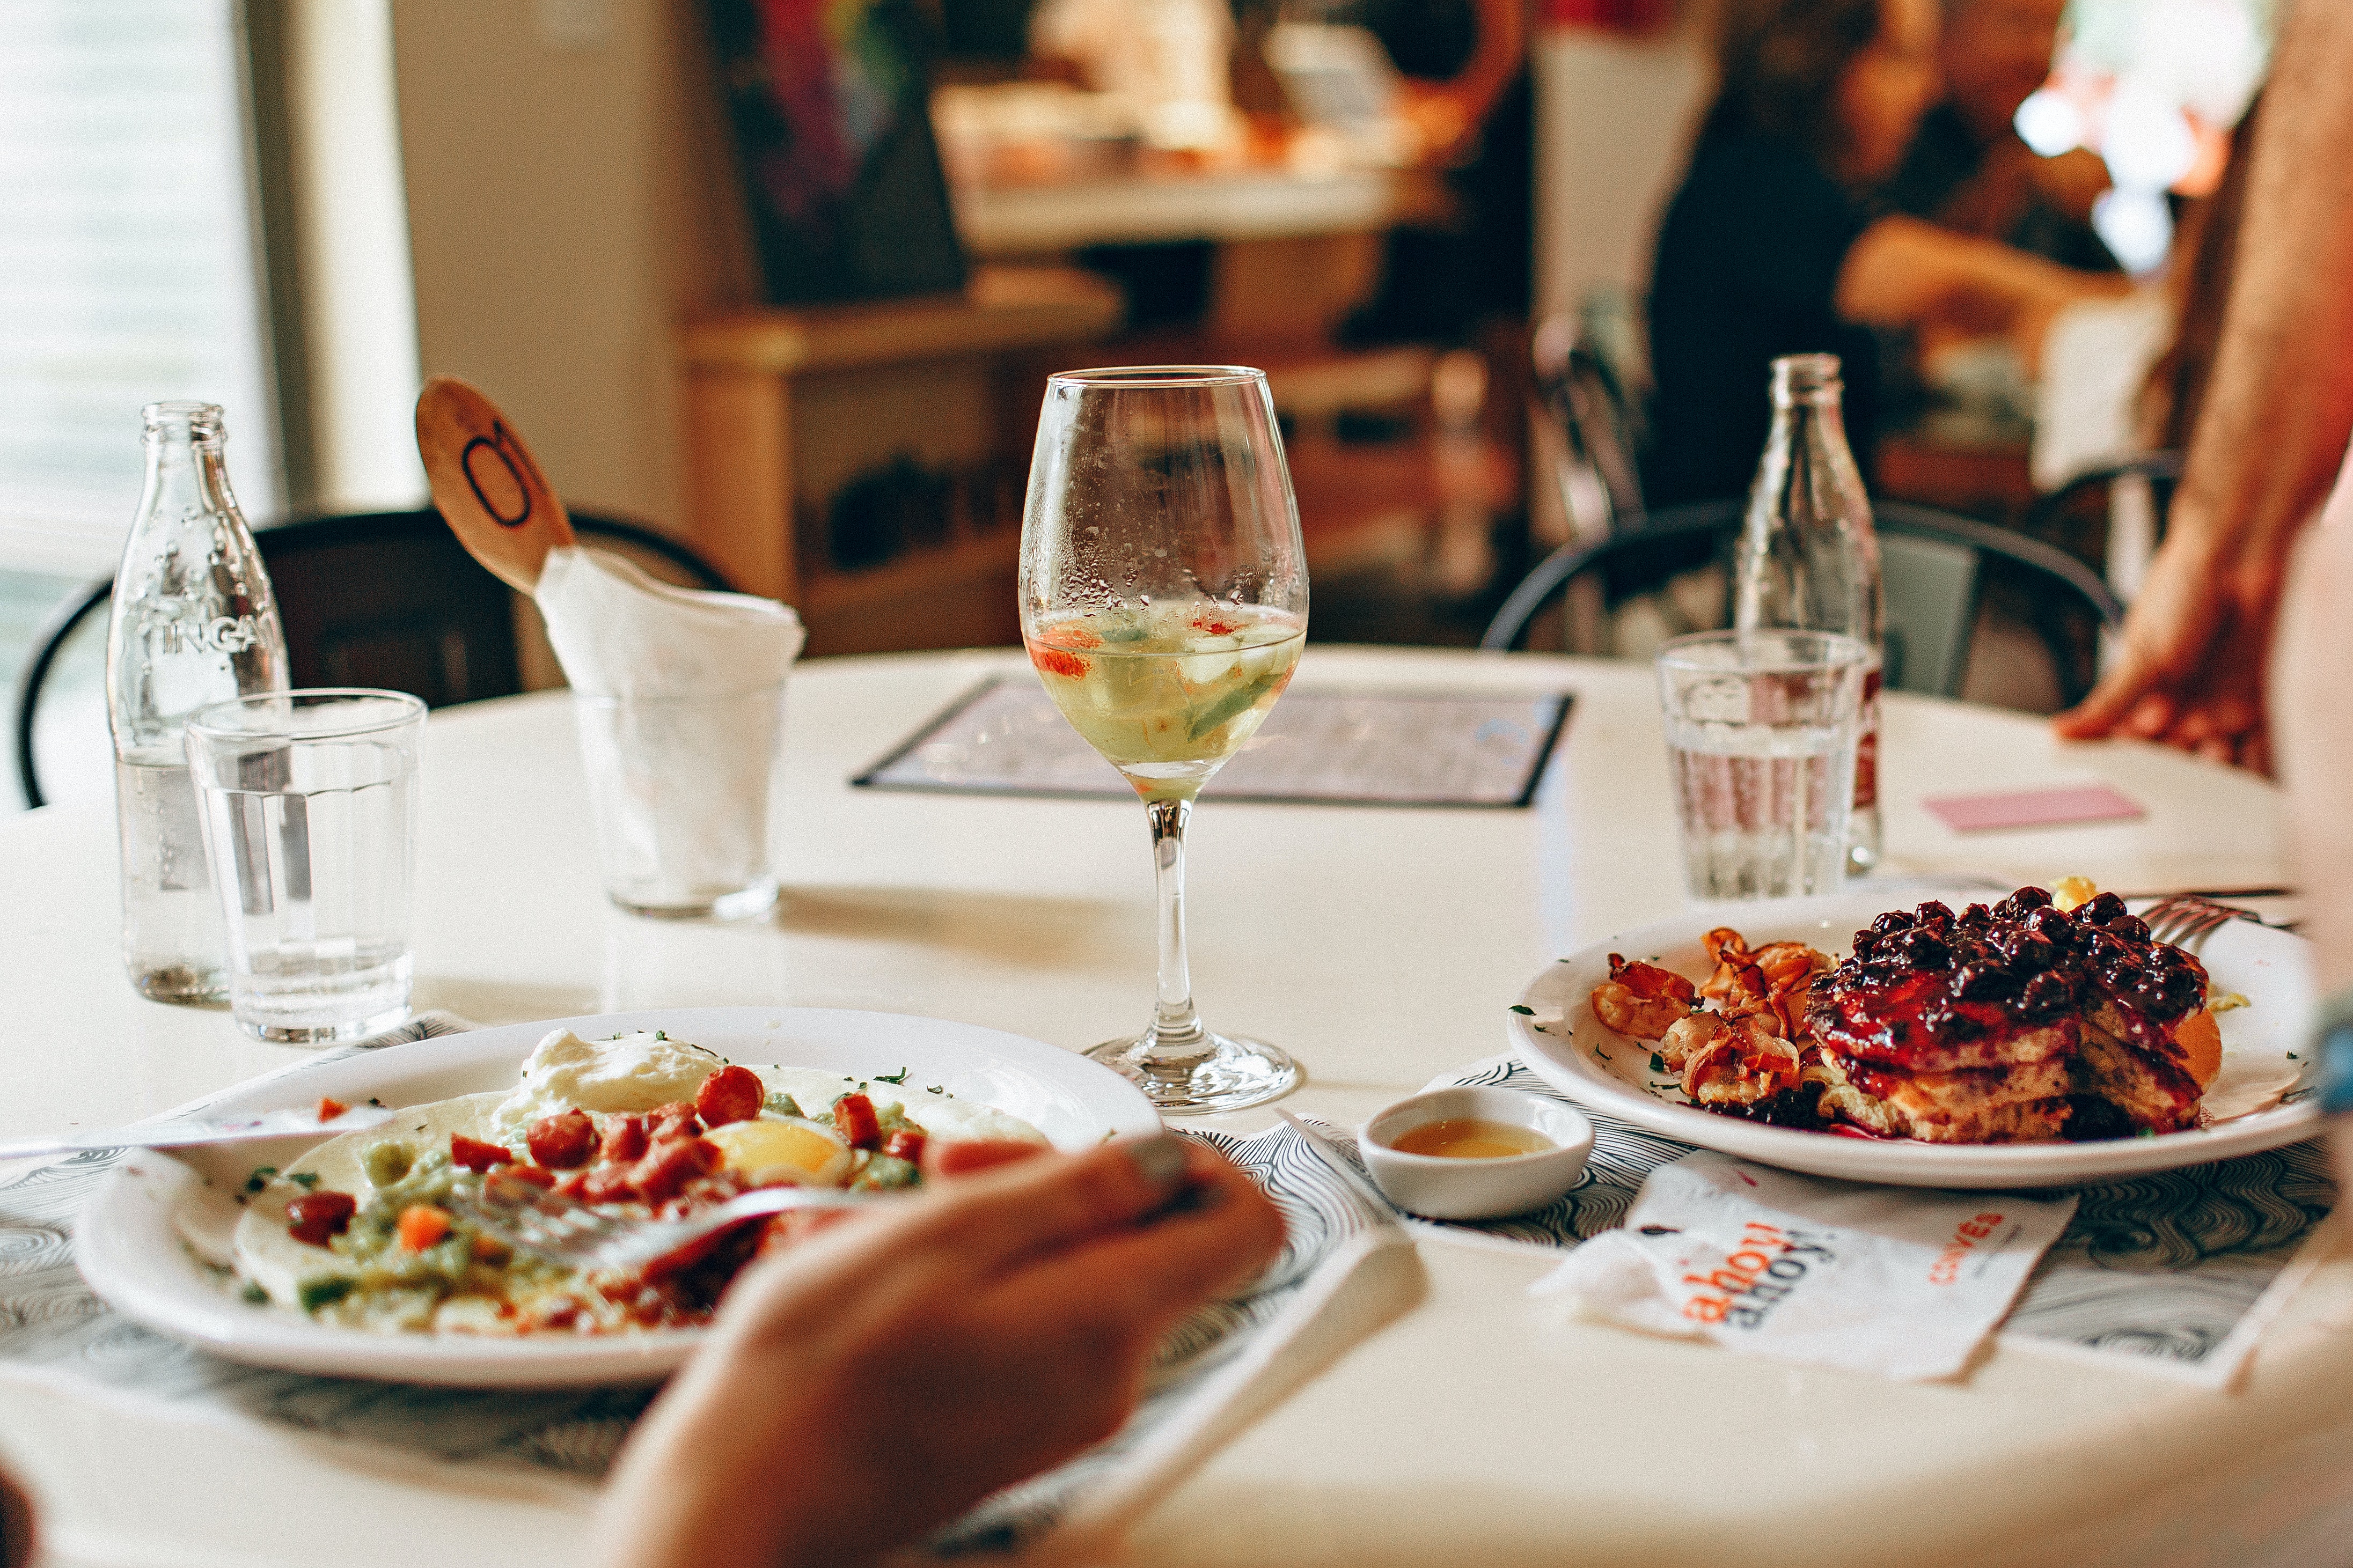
1333, 748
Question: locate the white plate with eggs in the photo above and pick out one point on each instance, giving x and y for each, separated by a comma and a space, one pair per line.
155, 1241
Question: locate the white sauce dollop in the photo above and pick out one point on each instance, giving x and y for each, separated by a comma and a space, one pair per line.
633, 1072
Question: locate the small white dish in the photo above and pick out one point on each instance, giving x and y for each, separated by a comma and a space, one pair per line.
1443, 1187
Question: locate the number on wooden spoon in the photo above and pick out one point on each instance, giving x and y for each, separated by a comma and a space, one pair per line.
486, 484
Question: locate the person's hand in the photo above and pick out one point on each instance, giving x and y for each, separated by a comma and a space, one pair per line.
872, 1381
2188, 669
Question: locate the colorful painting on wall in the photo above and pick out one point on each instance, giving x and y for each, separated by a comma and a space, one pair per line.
830, 105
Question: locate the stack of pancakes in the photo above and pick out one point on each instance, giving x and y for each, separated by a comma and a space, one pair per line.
2011, 1023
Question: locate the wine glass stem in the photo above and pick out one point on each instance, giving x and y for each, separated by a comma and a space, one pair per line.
1176, 1027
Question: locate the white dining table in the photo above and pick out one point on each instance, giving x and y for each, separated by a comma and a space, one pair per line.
1382, 947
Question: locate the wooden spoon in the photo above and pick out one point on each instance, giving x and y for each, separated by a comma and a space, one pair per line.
486, 484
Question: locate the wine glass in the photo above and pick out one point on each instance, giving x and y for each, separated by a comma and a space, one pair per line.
1163, 602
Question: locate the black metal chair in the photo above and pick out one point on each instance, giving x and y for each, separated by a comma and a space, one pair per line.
1933, 566
1593, 415
2080, 516
384, 599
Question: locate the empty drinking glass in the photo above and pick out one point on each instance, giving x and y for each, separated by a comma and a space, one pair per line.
308, 805
1761, 731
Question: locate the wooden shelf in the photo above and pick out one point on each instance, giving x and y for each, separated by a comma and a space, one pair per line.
784, 408
1003, 308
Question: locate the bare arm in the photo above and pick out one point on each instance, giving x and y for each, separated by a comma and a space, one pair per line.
1448, 112
2276, 421
1902, 272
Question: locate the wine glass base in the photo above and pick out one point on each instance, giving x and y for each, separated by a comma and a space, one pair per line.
1225, 1072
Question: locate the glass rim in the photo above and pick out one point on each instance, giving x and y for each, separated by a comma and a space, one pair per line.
1159, 375
411, 708
1840, 651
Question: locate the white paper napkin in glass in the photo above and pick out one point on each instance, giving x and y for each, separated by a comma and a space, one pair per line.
620, 633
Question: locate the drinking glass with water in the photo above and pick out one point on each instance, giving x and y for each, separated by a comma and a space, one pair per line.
1761, 733
309, 802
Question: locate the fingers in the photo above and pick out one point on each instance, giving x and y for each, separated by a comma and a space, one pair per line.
962, 1158
2125, 699
1143, 1280
985, 1223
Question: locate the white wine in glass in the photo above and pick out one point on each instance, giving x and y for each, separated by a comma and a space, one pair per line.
1164, 602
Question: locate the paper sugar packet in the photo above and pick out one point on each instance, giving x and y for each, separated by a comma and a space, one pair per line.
1895, 1280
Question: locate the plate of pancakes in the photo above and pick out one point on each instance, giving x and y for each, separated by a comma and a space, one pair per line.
1950, 1041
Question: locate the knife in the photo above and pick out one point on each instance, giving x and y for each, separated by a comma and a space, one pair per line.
184, 1130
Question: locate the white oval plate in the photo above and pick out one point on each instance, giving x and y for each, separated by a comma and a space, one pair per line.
130, 1246
1569, 1049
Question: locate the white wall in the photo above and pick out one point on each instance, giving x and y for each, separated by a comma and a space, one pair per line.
1613, 122
568, 200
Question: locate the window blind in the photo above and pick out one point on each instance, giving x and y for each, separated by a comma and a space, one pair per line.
127, 264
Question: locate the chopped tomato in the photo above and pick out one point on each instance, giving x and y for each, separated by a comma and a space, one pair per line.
489, 1249
543, 1180
315, 1217
625, 1138
675, 1120
422, 1225
473, 1154
907, 1144
607, 1183
563, 1140
730, 1094
330, 1108
1214, 626
853, 1118
1054, 661
671, 1164
1068, 634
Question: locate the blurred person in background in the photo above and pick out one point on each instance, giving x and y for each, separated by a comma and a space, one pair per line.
2271, 433
1776, 244
1970, 171
1469, 94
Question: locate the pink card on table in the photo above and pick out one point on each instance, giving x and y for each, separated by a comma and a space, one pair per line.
2031, 809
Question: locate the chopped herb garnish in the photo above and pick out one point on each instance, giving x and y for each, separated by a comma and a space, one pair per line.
658, 1035
935, 1089
260, 1178
2294, 1057
1658, 1063
375, 1102
901, 1080
305, 1179
1539, 1028
255, 1295
1524, 1011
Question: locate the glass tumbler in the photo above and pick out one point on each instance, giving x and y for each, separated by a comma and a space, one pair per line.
1761, 733
308, 805
684, 790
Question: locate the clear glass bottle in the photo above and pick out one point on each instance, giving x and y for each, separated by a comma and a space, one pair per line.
1807, 558
194, 623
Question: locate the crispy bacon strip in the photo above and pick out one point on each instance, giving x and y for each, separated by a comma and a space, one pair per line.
1641, 1001
1742, 1066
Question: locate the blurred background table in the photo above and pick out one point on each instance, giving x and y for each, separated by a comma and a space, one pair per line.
1381, 946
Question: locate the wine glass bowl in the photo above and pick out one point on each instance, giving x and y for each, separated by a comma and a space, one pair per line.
1164, 604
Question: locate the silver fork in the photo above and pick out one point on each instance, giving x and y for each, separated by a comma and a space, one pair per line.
531, 1219
2183, 918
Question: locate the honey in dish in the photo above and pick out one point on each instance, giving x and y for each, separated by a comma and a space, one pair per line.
1471, 1138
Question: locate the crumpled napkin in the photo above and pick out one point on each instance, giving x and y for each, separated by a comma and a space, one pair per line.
620, 633
1895, 1280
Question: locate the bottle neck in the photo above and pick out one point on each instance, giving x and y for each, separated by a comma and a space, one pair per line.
187, 477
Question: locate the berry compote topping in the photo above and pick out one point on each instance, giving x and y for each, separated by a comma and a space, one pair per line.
1930, 990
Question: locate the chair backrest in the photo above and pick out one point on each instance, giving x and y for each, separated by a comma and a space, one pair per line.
1932, 567
2110, 517
1591, 411
387, 599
